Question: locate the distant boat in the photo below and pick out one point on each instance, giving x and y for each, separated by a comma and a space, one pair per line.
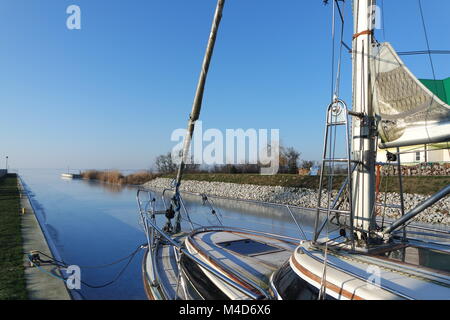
71, 176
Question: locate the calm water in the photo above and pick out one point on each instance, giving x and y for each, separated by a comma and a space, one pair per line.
94, 224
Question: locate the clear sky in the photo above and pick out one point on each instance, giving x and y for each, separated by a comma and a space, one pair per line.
110, 95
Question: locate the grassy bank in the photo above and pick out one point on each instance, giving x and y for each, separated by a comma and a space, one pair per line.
116, 177
12, 278
411, 184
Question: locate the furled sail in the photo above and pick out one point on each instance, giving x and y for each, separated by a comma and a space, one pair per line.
408, 113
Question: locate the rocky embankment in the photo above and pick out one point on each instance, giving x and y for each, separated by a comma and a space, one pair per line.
438, 214
424, 169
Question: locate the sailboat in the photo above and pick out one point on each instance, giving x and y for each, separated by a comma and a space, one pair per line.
70, 175
204, 262
359, 259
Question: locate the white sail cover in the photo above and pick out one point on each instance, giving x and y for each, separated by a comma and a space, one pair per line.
408, 113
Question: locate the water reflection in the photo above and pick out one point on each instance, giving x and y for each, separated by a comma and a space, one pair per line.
113, 188
94, 223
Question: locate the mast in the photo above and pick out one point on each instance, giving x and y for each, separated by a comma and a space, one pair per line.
197, 104
363, 147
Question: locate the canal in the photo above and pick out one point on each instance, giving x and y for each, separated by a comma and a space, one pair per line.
93, 224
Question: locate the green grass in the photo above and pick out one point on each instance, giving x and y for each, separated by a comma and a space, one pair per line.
12, 278
411, 184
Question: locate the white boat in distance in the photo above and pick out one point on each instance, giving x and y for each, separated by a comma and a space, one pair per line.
71, 176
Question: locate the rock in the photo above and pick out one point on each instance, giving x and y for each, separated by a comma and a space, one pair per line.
437, 214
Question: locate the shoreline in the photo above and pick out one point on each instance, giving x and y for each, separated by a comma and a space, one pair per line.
39, 285
303, 197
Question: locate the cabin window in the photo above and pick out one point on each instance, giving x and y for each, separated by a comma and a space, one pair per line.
417, 156
291, 287
248, 247
198, 285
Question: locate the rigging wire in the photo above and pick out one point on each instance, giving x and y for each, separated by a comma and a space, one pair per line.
338, 75
419, 52
333, 132
408, 53
430, 58
426, 38
382, 20
333, 26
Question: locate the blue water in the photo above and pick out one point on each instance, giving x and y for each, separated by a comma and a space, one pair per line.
94, 224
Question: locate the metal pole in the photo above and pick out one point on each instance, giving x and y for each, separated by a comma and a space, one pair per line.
322, 169
400, 183
197, 104
426, 154
349, 178
298, 225
418, 209
363, 130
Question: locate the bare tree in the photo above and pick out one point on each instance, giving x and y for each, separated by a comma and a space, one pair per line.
289, 158
307, 164
164, 163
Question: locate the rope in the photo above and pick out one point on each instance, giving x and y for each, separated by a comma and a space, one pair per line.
356, 35
32, 261
62, 264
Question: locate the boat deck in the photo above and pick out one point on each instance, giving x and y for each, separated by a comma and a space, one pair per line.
165, 269
248, 259
362, 276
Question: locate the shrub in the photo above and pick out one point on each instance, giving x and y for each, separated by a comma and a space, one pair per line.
116, 177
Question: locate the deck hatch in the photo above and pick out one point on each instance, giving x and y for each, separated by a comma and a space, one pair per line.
248, 247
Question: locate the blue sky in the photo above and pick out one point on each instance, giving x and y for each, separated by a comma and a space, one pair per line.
110, 95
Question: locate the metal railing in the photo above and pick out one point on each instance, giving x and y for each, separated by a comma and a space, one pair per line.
337, 115
323, 210
154, 235
152, 230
